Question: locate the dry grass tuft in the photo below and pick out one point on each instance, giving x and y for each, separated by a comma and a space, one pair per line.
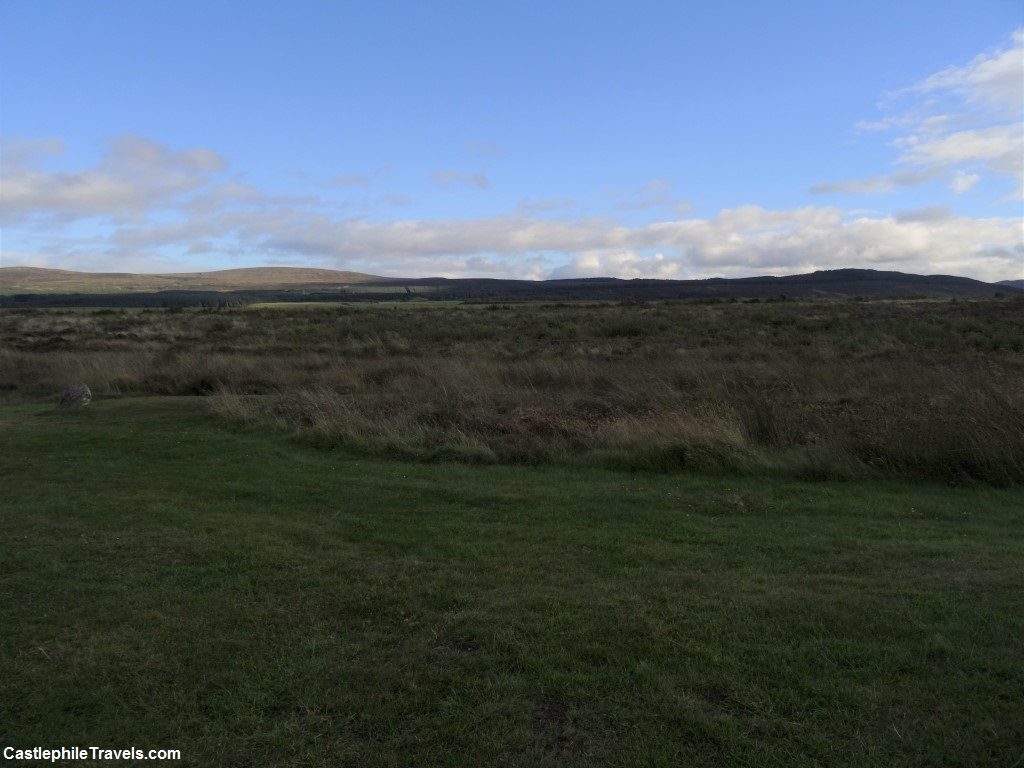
820, 389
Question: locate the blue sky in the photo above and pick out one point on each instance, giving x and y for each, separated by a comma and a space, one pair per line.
513, 140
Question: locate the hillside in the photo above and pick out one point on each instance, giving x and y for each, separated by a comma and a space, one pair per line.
31, 287
39, 280
836, 283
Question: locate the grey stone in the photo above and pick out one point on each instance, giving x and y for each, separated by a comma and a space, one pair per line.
76, 396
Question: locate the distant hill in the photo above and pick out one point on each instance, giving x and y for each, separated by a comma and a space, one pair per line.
38, 280
1019, 284
29, 287
825, 283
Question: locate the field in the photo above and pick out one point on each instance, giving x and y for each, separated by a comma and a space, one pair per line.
830, 389
170, 582
672, 533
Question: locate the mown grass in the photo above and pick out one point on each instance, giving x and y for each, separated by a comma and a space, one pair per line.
168, 581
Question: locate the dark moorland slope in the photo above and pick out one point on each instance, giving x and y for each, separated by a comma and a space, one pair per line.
826, 283
29, 287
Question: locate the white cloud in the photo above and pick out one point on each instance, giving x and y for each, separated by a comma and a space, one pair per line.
963, 182
739, 241
744, 240
134, 175
16, 152
626, 264
999, 147
183, 209
99, 260
929, 213
995, 78
366, 239
877, 184
448, 178
751, 240
978, 128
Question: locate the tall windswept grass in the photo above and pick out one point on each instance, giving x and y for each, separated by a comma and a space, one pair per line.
821, 389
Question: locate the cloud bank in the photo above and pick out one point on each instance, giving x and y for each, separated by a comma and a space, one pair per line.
955, 125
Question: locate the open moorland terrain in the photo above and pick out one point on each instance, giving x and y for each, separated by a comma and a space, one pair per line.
719, 532
929, 387
32, 287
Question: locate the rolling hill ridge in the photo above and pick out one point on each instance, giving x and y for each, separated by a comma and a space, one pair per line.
30, 286
40, 280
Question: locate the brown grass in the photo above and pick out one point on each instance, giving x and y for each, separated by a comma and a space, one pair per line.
818, 389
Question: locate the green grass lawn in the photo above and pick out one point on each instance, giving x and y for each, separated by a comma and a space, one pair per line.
169, 581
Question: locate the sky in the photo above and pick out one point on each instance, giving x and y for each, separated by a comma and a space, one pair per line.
514, 139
